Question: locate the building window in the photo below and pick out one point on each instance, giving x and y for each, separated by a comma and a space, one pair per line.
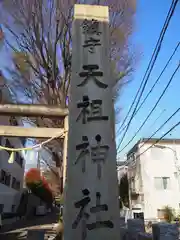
160, 213
18, 185
1, 208
162, 183
19, 159
132, 184
175, 174
23, 141
5, 178
13, 208
15, 184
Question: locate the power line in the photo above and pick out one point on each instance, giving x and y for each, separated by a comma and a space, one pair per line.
150, 66
158, 46
161, 126
155, 83
152, 110
156, 119
158, 140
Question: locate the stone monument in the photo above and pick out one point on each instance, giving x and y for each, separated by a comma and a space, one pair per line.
91, 208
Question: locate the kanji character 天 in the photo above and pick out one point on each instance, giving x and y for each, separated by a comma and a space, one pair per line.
91, 72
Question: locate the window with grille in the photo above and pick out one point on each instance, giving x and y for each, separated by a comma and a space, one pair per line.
15, 184
160, 213
5, 178
162, 183
19, 159
133, 184
13, 208
1, 208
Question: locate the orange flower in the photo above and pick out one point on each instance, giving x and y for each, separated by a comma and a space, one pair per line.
33, 175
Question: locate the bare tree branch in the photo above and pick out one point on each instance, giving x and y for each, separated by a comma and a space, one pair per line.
41, 30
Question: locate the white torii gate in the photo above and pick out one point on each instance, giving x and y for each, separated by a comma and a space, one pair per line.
28, 110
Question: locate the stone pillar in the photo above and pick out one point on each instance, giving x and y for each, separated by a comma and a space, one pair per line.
165, 231
135, 226
91, 208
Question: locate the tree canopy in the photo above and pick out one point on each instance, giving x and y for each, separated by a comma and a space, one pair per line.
41, 46
38, 34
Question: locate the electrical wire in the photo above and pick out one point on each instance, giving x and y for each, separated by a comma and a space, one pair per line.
154, 107
120, 130
153, 60
157, 119
161, 127
158, 140
156, 48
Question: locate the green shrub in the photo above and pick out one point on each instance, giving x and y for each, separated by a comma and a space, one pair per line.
169, 214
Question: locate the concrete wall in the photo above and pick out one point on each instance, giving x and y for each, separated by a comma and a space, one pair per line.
8, 197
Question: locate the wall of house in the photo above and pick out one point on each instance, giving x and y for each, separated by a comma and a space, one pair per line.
8, 194
7, 197
155, 163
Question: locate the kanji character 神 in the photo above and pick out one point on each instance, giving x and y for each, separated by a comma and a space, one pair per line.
84, 147
97, 153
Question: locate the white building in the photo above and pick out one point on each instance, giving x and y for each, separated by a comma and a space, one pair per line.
11, 175
153, 174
